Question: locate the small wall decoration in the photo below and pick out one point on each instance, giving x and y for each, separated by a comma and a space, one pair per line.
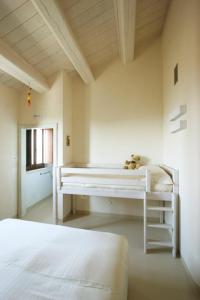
176, 74
29, 97
177, 113
177, 124
68, 140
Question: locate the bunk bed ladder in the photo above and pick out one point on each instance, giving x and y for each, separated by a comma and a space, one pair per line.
162, 224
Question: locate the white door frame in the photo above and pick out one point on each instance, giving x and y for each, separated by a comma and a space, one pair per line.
54, 126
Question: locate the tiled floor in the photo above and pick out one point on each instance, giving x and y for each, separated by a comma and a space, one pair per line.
154, 276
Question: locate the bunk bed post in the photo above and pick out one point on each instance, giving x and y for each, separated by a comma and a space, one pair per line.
174, 233
147, 190
175, 198
59, 194
55, 213
145, 222
57, 172
175, 177
148, 181
59, 178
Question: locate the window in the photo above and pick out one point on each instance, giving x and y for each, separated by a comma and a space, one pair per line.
39, 148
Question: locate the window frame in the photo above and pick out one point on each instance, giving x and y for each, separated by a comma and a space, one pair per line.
31, 152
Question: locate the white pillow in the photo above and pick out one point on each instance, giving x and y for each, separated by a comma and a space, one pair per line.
158, 175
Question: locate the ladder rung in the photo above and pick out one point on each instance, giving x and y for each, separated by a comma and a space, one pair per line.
152, 196
162, 226
160, 243
159, 208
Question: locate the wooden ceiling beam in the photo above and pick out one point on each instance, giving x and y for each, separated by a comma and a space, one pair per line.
125, 16
13, 64
57, 23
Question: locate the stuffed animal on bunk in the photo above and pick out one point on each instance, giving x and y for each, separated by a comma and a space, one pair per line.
134, 163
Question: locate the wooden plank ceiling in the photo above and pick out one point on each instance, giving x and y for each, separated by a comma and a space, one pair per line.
92, 22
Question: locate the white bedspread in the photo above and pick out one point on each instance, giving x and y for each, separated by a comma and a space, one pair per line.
40, 261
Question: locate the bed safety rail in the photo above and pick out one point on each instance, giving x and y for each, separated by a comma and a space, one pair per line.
103, 176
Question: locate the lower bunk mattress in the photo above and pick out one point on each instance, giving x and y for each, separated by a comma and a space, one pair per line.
41, 261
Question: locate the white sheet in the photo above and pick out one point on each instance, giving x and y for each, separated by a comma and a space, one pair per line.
160, 181
40, 261
83, 181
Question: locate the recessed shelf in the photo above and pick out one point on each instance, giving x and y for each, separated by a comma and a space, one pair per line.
178, 126
180, 111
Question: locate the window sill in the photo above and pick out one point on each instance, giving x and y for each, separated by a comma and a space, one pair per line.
42, 169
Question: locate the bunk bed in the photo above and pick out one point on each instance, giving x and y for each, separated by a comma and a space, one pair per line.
146, 183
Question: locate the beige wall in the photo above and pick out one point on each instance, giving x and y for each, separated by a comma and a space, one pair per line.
8, 151
67, 117
49, 106
121, 112
181, 44
53, 107
117, 115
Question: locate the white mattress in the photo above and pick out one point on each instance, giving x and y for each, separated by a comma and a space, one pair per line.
83, 181
160, 181
40, 261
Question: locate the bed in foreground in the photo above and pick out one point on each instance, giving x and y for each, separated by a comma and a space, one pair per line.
41, 261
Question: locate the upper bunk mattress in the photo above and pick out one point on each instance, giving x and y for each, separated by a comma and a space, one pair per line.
160, 181
40, 261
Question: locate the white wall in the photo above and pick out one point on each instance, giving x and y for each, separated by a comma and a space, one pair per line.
181, 44
8, 151
117, 115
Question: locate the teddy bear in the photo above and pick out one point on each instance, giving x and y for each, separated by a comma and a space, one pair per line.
137, 159
134, 163
129, 164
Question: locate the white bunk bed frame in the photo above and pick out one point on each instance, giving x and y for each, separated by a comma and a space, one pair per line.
145, 195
